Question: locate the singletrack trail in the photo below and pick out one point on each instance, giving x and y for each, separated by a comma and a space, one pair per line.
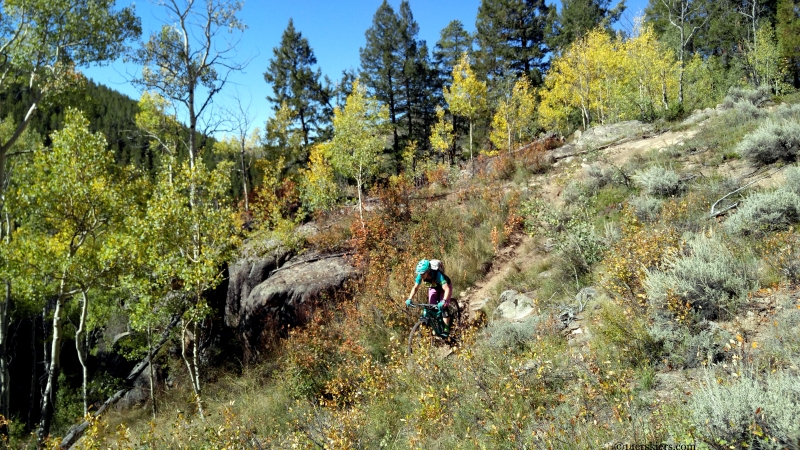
522, 251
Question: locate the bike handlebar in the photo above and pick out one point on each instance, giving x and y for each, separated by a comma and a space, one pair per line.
423, 305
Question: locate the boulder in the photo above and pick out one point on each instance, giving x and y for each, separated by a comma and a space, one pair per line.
608, 134
514, 306
244, 275
288, 295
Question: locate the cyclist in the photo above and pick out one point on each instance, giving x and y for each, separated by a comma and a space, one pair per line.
440, 289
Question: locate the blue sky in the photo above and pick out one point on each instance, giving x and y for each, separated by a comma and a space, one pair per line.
334, 29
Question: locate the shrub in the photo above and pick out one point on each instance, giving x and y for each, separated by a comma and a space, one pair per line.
709, 281
781, 341
787, 111
683, 347
744, 110
659, 181
773, 141
646, 208
755, 97
599, 177
792, 175
765, 211
573, 192
511, 335
748, 412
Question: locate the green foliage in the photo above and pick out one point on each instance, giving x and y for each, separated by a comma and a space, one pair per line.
297, 86
708, 281
454, 40
578, 17
576, 239
682, 346
748, 411
358, 138
774, 140
659, 181
511, 38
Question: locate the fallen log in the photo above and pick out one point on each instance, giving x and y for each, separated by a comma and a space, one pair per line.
77, 431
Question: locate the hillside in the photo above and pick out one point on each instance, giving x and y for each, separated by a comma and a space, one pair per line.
614, 298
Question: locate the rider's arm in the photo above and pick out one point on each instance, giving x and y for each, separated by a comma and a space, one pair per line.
448, 292
413, 291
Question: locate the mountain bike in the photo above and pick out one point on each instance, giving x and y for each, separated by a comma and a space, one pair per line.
433, 318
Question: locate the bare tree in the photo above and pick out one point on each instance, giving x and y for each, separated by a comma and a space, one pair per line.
189, 61
684, 16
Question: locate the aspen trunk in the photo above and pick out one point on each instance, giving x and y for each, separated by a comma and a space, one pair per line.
48, 398
81, 349
4, 374
191, 367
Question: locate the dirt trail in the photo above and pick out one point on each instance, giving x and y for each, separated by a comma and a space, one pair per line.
521, 252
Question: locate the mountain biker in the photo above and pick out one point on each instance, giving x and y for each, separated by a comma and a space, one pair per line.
440, 289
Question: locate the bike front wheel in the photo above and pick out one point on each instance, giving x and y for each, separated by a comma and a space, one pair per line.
414, 337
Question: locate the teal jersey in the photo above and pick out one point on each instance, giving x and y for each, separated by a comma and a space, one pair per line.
439, 279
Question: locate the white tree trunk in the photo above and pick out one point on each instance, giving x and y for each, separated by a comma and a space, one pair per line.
192, 368
81, 349
48, 398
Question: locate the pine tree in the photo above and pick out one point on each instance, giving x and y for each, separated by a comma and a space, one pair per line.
295, 83
511, 37
788, 34
418, 77
396, 71
381, 69
578, 17
453, 42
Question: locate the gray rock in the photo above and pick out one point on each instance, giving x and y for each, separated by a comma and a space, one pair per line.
287, 296
514, 306
586, 295
608, 134
244, 275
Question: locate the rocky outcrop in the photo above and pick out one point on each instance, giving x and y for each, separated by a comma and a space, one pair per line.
244, 275
514, 306
269, 294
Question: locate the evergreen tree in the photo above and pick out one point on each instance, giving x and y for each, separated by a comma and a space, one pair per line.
295, 83
788, 34
511, 37
381, 69
397, 72
418, 77
453, 42
578, 17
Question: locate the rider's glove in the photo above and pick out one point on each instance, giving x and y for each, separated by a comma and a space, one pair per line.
408, 302
440, 305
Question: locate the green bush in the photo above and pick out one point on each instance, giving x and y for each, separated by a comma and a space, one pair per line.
792, 175
709, 278
745, 110
511, 335
755, 97
659, 181
646, 208
787, 111
684, 347
749, 413
774, 140
764, 212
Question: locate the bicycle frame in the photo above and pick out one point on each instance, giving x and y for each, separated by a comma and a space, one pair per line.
432, 317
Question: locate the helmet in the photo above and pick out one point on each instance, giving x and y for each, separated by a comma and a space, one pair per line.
423, 266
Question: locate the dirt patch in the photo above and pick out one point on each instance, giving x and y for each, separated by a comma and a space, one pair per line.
518, 255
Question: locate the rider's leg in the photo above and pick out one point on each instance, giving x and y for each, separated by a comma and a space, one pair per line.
435, 295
